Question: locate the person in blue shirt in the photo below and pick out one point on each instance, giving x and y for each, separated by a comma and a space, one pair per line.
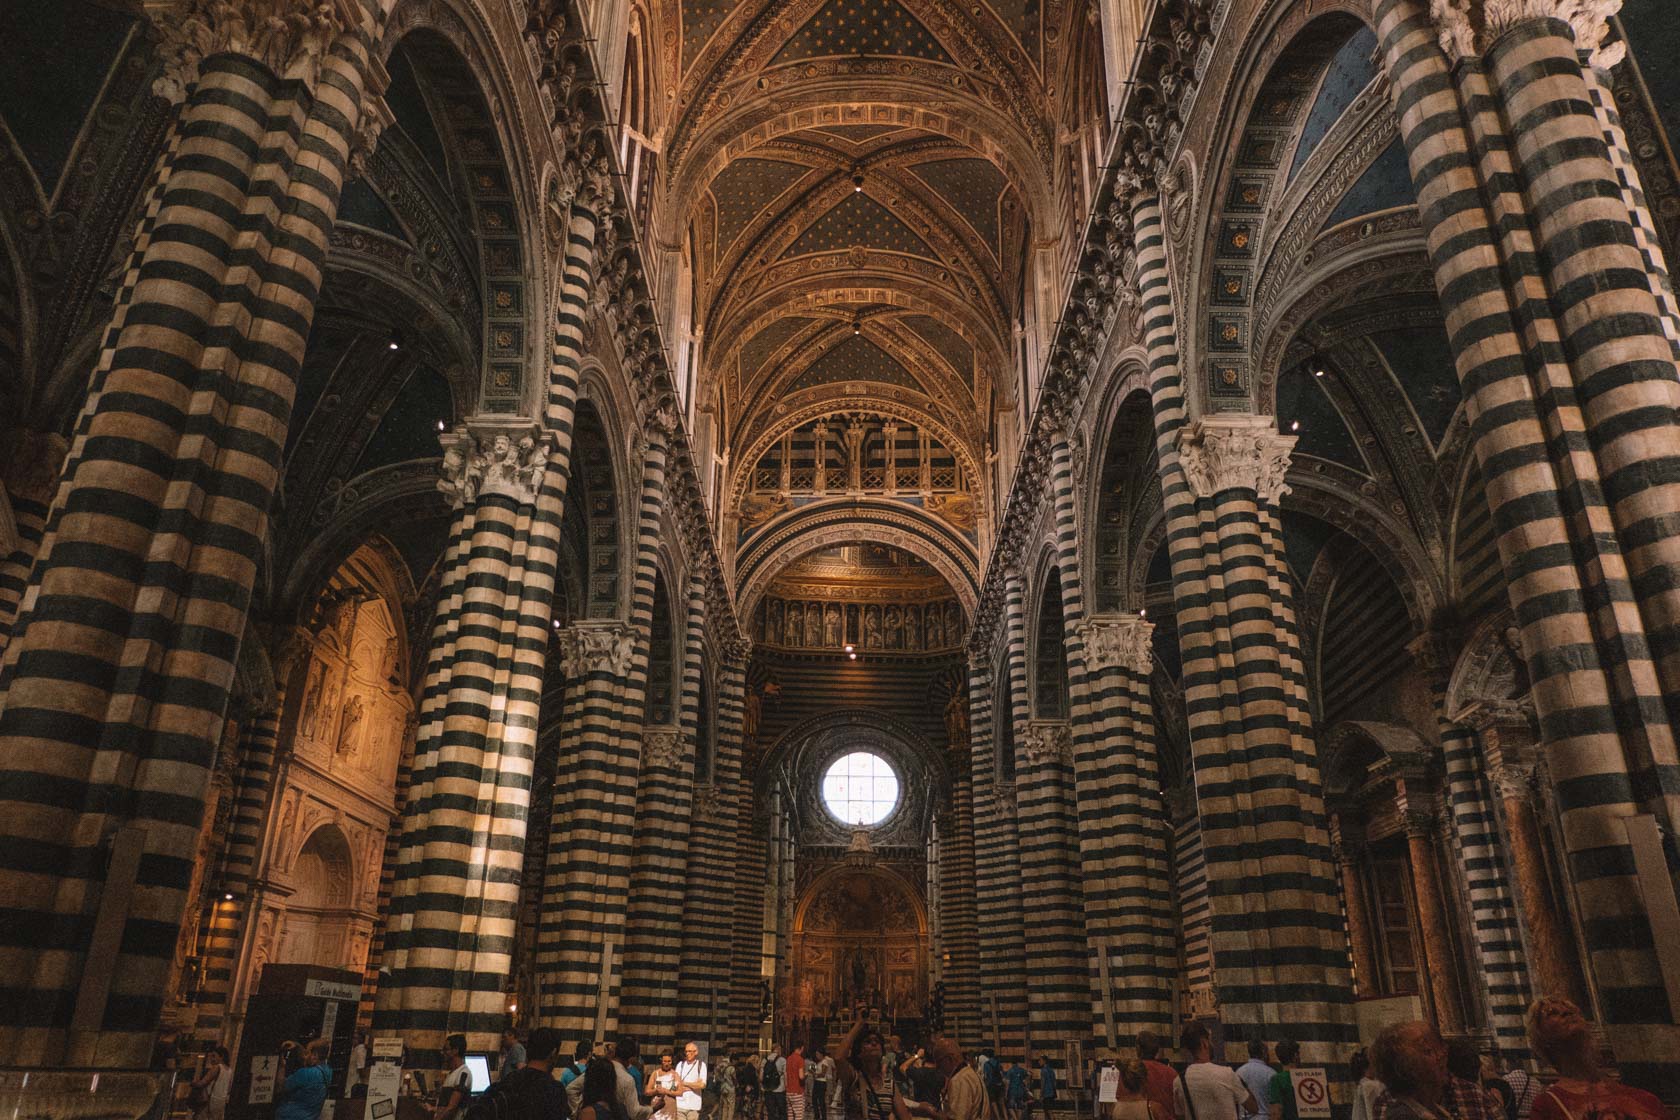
1015, 1097
305, 1090
1046, 1085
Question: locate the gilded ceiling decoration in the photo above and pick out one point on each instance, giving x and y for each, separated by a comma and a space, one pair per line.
859, 187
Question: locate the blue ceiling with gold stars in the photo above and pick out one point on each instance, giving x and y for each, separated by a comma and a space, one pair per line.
973, 187
859, 220
757, 349
744, 189
866, 27
855, 358
700, 19
947, 343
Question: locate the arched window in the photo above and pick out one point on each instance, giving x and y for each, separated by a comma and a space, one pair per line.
1050, 684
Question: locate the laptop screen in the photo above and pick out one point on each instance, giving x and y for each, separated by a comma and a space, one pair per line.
479, 1064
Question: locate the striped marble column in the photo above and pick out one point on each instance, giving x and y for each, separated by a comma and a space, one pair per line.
455, 894
663, 794
1123, 851
464, 836
110, 722
581, 944
1051, 900
1001, 968
746, 945
1474, 830
958, 920
224, 925
1278, 952
31, 475
1264, 831
1573, 418
706, 995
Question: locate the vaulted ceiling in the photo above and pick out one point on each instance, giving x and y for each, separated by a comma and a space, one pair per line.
858, 186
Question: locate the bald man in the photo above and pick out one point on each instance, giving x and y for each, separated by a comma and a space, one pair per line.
965, 1092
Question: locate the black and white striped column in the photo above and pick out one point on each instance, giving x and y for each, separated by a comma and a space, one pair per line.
111, 717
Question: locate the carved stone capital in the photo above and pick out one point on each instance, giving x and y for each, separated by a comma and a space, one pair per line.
708, 801
596, 647
1492, 716
1420, 822
490, 456
663, 747
290, 37
1047, 741
1236, 452
1118, 641
1513, 781
1467, 27
1007, 800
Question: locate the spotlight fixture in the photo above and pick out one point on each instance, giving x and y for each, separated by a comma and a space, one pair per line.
850, 647
1143, 612
851, 656
1319, 372
227, 896
857, 181
1294, 425
395, 342
857, 325
440, 425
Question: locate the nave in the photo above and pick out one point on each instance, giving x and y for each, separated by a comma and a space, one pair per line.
669, 520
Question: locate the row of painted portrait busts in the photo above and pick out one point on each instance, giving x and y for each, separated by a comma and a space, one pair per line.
905, 627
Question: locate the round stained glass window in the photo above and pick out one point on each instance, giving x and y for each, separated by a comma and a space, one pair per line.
860, 788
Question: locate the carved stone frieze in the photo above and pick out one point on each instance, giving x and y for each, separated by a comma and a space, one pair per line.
493, 457
1118, 641
596, 647
1228, 452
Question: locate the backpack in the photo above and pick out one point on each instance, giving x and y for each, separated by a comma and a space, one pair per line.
992, 1072
772, 1079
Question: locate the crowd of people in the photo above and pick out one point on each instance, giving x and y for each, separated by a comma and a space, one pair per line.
1409, 1073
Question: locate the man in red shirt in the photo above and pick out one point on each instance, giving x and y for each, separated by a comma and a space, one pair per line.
796, 1082
1159, 1086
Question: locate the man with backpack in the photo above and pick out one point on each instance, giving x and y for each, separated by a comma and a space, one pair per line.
774, 1081
529, 1092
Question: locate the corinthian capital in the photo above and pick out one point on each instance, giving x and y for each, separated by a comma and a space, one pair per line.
507, 457
1048, 741
290, 37
596, 647
662, 747
1467, 27
1118, 641
1236, 452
